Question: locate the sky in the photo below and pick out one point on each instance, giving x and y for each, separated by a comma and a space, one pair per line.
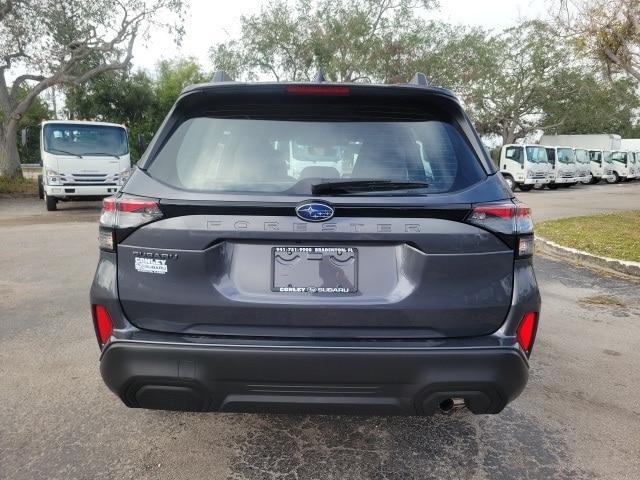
213, 21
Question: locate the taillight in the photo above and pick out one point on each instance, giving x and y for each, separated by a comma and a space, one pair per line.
327, 90
102, 323
124, 212
507, 218
526, 333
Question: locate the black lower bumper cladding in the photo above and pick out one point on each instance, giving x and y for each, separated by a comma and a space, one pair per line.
384, 381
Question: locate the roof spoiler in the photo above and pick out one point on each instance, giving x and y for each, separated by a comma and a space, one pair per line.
221, 76
419, 79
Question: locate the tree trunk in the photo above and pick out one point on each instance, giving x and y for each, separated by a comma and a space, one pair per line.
9, 157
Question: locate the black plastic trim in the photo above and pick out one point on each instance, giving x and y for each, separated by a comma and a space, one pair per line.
176, 208
409, 381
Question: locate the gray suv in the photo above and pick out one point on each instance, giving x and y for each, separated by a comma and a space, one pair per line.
315, 247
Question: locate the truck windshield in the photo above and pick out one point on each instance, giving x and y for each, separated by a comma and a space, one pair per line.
537, 154
582, 156
566, 155
595, 156
90, 140
607, 157
316, 153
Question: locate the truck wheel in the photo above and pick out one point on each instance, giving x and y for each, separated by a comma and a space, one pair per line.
594, 180
616, 178
552, 186
510, 182
40, 188
52, 203
526, 188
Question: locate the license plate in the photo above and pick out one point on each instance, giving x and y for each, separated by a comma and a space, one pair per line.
315, 270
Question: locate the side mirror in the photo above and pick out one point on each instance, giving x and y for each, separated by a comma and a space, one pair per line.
23, 137
142, 146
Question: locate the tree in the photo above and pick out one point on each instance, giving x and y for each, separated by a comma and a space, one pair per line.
138, 100
349, 40
506, 97
31, 120
65, 43
608, 31
579, 102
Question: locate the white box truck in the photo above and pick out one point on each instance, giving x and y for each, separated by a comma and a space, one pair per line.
632, 145
563, 165
593, 143
601, 141
82, 160
525, 166
621, 165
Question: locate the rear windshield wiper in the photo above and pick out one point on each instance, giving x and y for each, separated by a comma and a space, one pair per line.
65, 151
355, 186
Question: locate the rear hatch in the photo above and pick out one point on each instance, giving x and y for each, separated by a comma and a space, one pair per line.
377, 245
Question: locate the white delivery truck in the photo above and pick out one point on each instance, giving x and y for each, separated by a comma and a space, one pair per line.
596, 157
307, 161
620, 165
594, 142
525, 166
607, 166
633, 166
632, 145
583, 165
604, 141
82, 160
563, 166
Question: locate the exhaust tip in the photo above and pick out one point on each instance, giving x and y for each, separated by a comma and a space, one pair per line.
450, 404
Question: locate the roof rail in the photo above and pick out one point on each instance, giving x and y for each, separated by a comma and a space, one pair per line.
420, 79
221, 76
320, 77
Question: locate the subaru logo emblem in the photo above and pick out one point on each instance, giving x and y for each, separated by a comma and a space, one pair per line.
314, 212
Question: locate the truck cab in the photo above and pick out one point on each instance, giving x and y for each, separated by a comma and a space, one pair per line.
621, 165
563, 166
309, 160
82, 160
607, 166
583, 165
634, 166
525, 166
597, 165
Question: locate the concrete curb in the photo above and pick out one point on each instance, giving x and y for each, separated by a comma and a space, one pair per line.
622, 266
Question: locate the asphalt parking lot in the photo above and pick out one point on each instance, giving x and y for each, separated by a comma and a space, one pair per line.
579, 417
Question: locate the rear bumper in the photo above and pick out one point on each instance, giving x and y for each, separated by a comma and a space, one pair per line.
312, 379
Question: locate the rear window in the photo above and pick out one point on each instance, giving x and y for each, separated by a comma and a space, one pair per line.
247, 155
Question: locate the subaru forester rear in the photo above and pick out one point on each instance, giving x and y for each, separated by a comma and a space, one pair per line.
316, 247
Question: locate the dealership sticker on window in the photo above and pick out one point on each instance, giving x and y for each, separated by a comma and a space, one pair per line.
151, 265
